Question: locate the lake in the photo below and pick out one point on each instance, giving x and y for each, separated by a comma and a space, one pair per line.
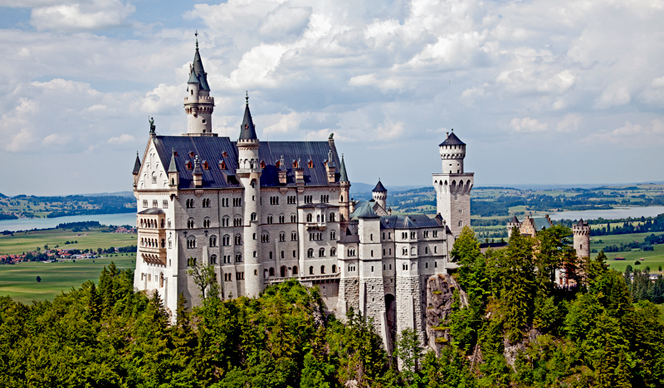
610, 214
45, 223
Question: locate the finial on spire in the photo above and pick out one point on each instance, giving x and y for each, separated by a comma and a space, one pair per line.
196, 34
152, 126
247, 96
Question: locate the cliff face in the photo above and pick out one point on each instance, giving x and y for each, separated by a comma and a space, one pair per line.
439, 299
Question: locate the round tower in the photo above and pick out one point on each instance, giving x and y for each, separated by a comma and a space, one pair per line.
452, 153
581, 231
249, 173
344, 192
198, 104
379, 194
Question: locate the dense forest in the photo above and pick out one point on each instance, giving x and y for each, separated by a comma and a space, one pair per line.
518, 329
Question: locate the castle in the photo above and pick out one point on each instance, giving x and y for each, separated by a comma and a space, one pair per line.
264, 212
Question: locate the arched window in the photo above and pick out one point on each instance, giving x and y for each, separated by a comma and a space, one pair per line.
309, 217
190, 223
206, 222
265, 237
282, 236
191, 242
321, 252
295, 270
333, 251
271, 271
282, 271
322, 269
334, 268
213, 259
238, 239
310, 253
253, 217
213, 241
225, 221
226, 240
331, 217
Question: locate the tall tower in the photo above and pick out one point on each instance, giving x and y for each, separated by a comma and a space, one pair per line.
581, 231
344, 194
198, 103
453, 185
379, 194
249, 172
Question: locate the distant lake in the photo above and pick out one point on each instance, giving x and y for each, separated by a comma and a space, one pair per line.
634, 212
45, 223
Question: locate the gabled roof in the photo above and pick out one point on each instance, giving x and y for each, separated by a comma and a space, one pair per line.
452, 139
343, 176
247, 129
379, 188
137, 165
409, 221
213, 148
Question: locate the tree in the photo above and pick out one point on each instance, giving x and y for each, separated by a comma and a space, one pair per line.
409, 352
205, 279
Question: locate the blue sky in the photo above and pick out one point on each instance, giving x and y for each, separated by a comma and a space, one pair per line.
565, 92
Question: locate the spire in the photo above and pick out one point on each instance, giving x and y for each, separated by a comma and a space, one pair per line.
172, 167
137, 165
247, 130
197, 69
343, 176
452, 139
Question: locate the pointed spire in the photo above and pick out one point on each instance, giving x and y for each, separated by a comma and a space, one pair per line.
379, 188
198, 70
173, 167
137, 165
343, 176
247, 130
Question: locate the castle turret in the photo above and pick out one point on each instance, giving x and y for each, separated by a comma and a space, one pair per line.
137, 169
344, 192
379, 194
198, 103
249, 172
581, 231
453, 185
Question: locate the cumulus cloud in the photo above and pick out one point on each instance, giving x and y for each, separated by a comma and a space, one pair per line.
287, 123
122, 139
569, 123
93, 15
527, 125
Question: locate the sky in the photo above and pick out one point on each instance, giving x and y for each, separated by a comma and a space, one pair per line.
542, 92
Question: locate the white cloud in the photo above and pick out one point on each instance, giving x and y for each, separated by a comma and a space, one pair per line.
163, 99
285, 21
287, 123
122, 139
569, 123
389, 130
527, 125
94, 15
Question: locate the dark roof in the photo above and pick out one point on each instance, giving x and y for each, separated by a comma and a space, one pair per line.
199, 72
212, 149
452, 139
152, 210
364, 210
581, 223
172, 166
515, 220
541, 223
409, 221
379, 188
247, 129
137, 165
343, 175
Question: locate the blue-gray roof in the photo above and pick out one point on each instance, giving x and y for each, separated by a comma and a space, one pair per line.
212, 148
343, 175
247, 129
540, 223
409, 221
379, 188
137, 165
452, 139
199, 72
364, 210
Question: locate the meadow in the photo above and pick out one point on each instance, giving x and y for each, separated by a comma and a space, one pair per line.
95, 238
19, 281
653, 259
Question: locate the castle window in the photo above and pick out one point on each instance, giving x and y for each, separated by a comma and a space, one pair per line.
371, 236
426, 264
145, 204
191, 262
206, 202
310, 164
222, 165
332, 217
309, 217
237, 202
322, 269
191, 242
321, 252
274, 200
213, 259
413, 235
460, 223
308, 199
213, 241
190, 203
324, 198
164, 204
383, 251
334, 268
155, 203
293, 236
238, 239
333, 235
294, 270
225, 221
265, 237
253, 216
426, 250
206, 166
435, 249
239, 275
238, 257
224, 202
283, 254
269, 219
206, 222
333, 251
237, 221
188, 164
372, 256
435, 233
310, 252
282, 236
426, 234
154, 178
291, 200
226, 240
262, 164
311, 270
190, 223
372, 269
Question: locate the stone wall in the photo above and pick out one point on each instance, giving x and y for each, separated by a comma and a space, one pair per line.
439, 299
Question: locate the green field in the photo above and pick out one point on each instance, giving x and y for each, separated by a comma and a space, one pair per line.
19, 280
652, 259
92, 239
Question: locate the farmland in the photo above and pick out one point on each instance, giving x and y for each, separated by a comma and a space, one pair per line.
89, 239
19, 280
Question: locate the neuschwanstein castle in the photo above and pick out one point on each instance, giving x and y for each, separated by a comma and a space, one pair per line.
265, 212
